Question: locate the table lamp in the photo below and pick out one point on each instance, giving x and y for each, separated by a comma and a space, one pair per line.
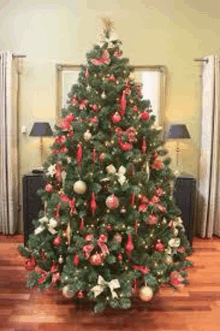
178, 131
41, 129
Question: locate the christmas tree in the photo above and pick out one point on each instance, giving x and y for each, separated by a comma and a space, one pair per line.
109, 228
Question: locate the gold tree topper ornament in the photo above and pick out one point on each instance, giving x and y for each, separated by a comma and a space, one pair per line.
108, 26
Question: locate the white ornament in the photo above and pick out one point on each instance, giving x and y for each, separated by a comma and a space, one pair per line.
111, 169
51, 170
39, 229
103, 95
146, 293
79, 187
60, 260
68, 159
121, 176
175, 232
67, 293
169, 259
87, 135
174, 242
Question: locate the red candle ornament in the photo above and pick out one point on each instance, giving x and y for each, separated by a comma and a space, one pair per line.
82, 224
93, 204
132, 199
79, 154
76, 260
129, 245
122, 104
144, 146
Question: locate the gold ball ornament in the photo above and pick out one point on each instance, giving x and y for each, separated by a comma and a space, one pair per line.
146, 293
79, 187
67, 293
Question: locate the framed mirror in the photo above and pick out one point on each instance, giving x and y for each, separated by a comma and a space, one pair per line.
153, 79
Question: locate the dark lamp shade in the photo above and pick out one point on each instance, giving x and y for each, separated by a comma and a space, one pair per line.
41, 129
178, 131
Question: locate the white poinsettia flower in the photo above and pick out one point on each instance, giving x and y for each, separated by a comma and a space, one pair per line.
52, 222
51, 230
44, 219
51, 170
111, 169
174, 242
39, 229
175, 232
122, 170
168, 250
121, 179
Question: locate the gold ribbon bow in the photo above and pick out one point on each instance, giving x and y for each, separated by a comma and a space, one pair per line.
102, 284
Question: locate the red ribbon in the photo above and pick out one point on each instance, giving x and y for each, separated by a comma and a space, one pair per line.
105, 59
71, 202
87, 249
130, 133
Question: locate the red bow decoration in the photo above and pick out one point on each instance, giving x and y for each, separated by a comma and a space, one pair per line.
105, 59
87, 249
53, 270
130, 133
71, 202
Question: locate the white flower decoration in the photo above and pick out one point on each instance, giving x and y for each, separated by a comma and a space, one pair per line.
111, 169
51, 170
39, 229
174, 242
43, 220
51, 225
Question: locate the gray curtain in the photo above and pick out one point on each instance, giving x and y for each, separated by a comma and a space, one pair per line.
208, 208
8, 144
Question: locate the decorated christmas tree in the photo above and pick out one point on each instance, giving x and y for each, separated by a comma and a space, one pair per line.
109, 229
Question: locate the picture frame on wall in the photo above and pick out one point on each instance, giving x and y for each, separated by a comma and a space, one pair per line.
152, 77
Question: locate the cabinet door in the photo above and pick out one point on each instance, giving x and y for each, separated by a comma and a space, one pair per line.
32, 203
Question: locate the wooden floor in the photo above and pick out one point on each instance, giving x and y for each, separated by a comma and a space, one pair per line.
194, 308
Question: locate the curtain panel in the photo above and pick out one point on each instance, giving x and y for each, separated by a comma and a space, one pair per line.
208, 207
8, 144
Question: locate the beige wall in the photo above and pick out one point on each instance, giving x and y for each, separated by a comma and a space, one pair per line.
166, 32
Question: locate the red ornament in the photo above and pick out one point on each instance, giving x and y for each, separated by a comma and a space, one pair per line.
30, 264
159, 246
111, 78
116, 118
120, 257
79, 154
94, 155
94, 107
96, 259
74, 100
101, 157
87, 72
93, 203
122, 104
145, 116
63, 149
135, 109
108, 227
125, 146
132, 199
49, 188
158, 165
129, 246
93, 120
112, 202
144, 146
57, 241
154, 200
152, 219
80, 295
69, 118
76, 260
81, 225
